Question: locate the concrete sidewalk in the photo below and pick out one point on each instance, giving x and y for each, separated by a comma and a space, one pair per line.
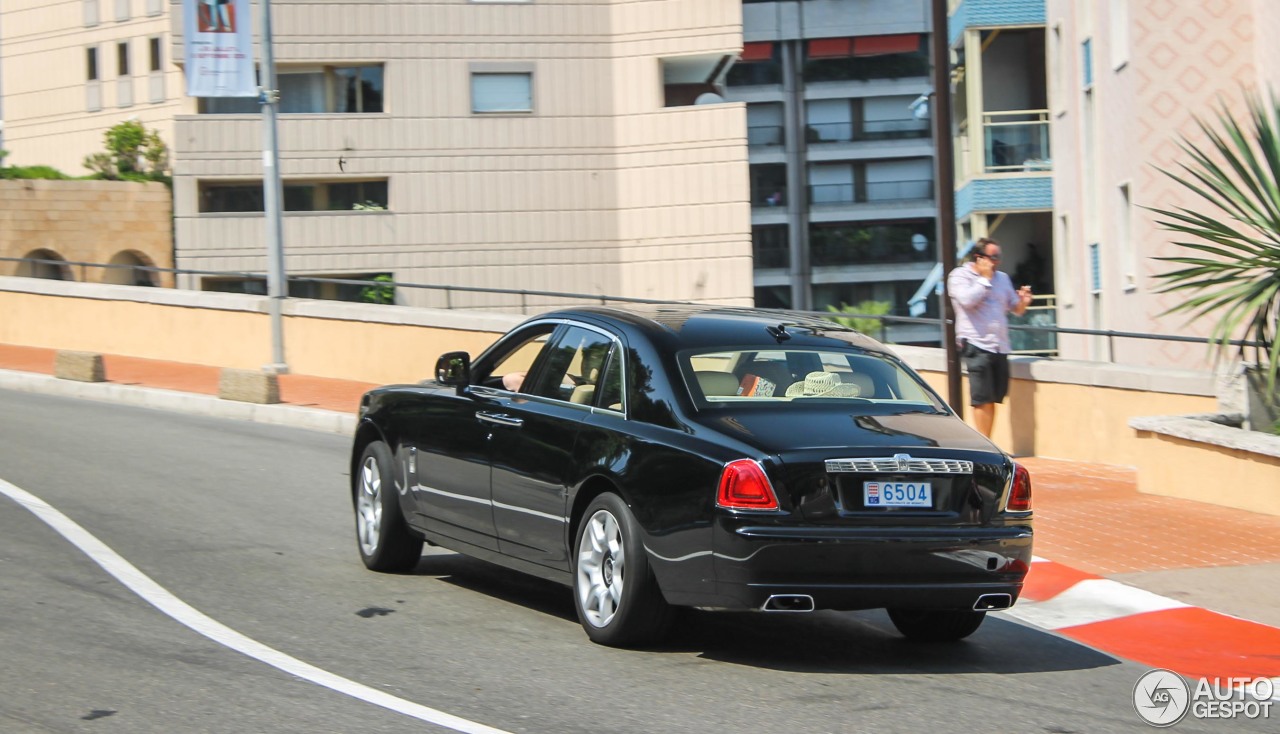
1163, 555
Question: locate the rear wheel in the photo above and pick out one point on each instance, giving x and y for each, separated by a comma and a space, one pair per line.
385, 541
615, 593
936, 625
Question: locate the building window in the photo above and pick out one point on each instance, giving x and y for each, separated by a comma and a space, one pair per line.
501, 92
311, 196
333, 89
759, 64
1118, 21
319, 287
1055, 68
122, 58
865, 57
857, 244
153, 53
123, 12
155, 7
1124, 240
1086, 60
90, 12
1095, 268
91, 64
769, 247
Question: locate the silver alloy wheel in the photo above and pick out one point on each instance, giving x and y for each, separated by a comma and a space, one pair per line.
369, 507
601, 568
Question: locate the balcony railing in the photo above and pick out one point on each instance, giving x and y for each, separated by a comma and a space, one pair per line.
871, 191
1043, 313
760, 135
844, 132
1016, 140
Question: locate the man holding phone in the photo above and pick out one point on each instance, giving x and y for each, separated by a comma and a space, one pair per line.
983, 298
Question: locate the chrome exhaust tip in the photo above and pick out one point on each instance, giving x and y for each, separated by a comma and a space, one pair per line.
788, 603
989, 602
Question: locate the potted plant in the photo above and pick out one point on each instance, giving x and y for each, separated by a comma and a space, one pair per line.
1231, 267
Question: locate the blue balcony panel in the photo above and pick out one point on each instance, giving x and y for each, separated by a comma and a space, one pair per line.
994, 13
1007, 193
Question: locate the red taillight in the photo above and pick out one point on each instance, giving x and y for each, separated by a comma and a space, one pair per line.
1020, 493
744, 486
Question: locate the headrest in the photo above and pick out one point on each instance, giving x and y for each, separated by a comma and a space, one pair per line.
717, 383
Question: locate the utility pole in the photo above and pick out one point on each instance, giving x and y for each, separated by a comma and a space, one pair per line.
272, 195
945, 175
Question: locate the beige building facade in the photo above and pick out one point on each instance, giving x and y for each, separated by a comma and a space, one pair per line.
1127, 80
70, 70
569, 147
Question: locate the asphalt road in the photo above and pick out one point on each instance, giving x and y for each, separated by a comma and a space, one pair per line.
251, 525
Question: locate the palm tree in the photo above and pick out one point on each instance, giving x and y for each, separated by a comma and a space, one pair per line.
1233, 267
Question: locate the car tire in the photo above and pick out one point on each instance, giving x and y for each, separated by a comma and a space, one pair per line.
386, 543
615, 594
936, 625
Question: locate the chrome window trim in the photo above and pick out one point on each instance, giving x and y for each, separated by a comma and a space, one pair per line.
617, 343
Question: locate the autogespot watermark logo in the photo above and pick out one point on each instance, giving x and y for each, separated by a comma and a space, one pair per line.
1163, 698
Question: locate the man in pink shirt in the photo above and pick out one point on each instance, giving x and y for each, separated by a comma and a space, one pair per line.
983, 298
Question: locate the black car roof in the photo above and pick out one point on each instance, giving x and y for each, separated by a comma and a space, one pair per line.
691, 326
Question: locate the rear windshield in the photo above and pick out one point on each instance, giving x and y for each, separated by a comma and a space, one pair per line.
802, 376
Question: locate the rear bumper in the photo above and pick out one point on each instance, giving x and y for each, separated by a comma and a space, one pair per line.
868, 567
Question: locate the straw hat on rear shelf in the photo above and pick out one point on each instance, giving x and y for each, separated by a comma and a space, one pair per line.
823, 385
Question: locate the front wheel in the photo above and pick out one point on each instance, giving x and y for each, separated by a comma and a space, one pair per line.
386, 543
615, 593
936, 625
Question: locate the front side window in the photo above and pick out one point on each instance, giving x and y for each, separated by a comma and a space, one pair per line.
781, 378
122, 58
574, 366
502, 92
91, 64
507, 367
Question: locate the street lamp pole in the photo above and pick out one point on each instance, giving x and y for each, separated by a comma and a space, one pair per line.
272, 195
945, 175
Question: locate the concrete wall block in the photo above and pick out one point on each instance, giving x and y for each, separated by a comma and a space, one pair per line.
248, 386
80, 366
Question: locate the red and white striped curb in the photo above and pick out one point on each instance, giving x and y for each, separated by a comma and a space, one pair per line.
1147, 628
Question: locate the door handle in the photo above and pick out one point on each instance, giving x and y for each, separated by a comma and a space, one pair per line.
500, 419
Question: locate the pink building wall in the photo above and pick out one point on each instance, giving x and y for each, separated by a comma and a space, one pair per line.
1182, 58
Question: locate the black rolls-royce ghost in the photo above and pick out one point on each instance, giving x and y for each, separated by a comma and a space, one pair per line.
686, 456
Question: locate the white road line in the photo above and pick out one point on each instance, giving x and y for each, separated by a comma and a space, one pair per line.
1091, 600
159, 597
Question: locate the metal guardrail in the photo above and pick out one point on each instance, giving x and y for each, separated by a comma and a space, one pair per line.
884, 319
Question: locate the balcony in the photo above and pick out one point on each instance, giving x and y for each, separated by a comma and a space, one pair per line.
872, 191
1016, 141
1043, 311
764, 135
846, 132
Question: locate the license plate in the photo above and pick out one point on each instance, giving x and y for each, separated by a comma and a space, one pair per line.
897, 494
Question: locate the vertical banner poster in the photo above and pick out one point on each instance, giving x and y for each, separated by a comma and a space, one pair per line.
219, 48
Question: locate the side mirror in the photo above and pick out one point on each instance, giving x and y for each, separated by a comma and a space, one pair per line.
454, 368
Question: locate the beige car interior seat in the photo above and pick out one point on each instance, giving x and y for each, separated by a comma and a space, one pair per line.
716, 383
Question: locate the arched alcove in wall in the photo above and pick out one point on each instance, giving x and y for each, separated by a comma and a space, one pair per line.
44, 263
130, 270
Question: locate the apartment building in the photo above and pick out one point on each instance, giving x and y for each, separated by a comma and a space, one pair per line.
843, 206
1004, 163
578, 147
1127, 81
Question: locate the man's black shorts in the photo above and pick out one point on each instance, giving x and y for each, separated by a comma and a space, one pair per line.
988, 375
